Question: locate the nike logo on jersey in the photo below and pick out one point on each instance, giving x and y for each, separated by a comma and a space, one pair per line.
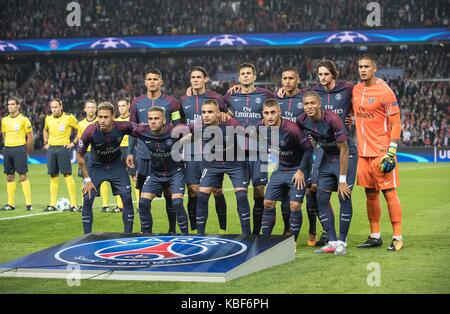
244, 182
236, 99
187, 107
128, 186
263, 179
140, 110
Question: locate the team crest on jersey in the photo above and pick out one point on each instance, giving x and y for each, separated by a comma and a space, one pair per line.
169, 141
138, 252
80, 143
258, 100
338, 96
371, 100
300, 105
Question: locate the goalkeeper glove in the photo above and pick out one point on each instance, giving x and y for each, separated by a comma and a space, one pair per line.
387, 163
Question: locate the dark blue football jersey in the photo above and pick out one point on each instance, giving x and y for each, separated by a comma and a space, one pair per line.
247, 108
138, 114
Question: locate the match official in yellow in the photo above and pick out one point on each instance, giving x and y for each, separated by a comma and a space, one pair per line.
123, 106
90, 108
18, 136
57, 130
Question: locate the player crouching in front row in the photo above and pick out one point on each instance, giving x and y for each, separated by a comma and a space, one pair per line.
294, 155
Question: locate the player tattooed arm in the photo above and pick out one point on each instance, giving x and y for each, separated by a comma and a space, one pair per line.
343, 189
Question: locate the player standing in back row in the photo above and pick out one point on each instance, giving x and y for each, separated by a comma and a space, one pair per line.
191, 110
378, 128
246, 106
138, 114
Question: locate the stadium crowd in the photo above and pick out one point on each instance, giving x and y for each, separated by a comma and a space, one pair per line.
36, 19
425, 104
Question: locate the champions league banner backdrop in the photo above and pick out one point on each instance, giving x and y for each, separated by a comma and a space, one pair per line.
156, 257
381, 36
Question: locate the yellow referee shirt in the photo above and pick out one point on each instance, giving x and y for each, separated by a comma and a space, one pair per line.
82, 125
124, 142
15, 130
59, 129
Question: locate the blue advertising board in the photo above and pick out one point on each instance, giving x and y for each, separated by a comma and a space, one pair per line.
294, 39
161, 254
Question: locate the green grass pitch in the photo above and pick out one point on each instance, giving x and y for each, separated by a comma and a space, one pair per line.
421, 267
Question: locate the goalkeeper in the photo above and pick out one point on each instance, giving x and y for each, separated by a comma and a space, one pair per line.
378, 128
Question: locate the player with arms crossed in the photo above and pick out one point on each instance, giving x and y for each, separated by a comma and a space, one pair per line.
18, 136
191, 110
378, 128
327, 129
294, 155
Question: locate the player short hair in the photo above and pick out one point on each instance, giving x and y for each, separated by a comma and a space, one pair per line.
311, 93
290, 68
368, 56
200, 69
271, 102
16, 99
91, 100
154, 71
247, 65
211, 102
330, 65
106, 105
158, 109
58, 100
126, 99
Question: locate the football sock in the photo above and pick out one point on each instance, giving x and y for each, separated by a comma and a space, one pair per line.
395, 211
202, 212
285, 212
171, 214
86, 213
311, 209
118, 199
192, 206
54, 186
268, 221
70, 183
11, 191
258, 210
127, 213
373, 210
137, 193
104, 193
244, 211
26, 188
346, 212
145, 214
181, 215
221, 209
326, 215
295, 222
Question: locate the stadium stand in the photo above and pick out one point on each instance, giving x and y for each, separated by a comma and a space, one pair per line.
124, 17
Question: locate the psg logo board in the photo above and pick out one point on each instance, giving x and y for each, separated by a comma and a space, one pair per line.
157, 257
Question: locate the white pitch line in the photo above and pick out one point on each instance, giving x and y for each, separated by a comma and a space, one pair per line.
31, 215
57, 212
420, 168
